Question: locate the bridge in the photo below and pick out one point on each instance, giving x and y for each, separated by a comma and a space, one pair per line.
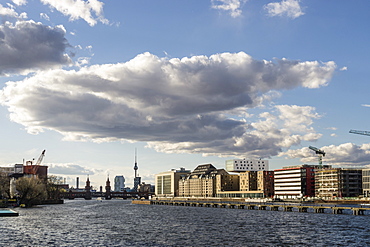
88, 195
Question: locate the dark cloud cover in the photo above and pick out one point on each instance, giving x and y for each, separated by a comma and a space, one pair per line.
28, 45
195, 104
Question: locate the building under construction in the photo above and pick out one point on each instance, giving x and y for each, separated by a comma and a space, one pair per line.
338, 182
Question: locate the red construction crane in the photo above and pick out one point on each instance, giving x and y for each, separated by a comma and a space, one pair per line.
35, 167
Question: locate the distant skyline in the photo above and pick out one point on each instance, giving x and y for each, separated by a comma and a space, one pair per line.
183, 82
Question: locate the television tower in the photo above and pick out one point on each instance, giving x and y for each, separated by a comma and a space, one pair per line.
137, 179
135, 166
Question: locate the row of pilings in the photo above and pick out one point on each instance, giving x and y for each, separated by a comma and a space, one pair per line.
287, 207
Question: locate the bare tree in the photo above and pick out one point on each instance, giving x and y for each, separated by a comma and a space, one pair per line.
52, 188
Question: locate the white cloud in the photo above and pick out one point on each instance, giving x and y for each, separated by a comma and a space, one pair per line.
365, 105
19, 2
344, 155
44, 16
91, 11
10, 12
343, 68
173, 104
233, 6
19, 53
289, 8
71, 169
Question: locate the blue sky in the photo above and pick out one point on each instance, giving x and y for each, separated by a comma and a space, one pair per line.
183, 82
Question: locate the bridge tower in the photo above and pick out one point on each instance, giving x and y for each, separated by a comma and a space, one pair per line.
108, 194
88, 189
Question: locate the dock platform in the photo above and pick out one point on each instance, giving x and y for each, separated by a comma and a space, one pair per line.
6, 212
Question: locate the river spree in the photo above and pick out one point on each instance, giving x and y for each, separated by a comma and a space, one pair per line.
120, 223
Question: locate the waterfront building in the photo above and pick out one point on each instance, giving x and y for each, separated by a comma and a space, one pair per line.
248, 181
338, 182
201, 182
366, 182
294, 182
227, 182
242, 165
119, 183
261, 181
167, 183
265, 183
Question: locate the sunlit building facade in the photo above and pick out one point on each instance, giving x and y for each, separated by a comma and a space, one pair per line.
167, 183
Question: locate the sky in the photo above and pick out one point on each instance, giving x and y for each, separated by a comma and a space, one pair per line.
182, 82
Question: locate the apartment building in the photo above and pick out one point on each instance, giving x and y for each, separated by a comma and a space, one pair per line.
227, 182
265, 183
262, 181
201, 182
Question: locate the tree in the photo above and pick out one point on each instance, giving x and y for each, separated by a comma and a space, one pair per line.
31, 191
4, 185
52, 188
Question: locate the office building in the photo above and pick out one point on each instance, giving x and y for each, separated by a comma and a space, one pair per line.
119, 184
294, 182
242, 165
167, 183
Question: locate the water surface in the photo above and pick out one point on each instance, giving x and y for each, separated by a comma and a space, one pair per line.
120, 223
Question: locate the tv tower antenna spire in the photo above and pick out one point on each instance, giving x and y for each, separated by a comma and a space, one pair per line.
135, 166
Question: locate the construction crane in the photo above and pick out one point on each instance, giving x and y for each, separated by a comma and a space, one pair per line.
35, 167
320, 154
360, 132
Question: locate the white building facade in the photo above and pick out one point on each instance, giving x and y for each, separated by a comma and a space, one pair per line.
243, 165
294, 182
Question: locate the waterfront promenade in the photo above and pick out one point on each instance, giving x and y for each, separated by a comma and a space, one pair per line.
272, 206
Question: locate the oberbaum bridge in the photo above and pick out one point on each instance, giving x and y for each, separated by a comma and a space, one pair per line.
87, 194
